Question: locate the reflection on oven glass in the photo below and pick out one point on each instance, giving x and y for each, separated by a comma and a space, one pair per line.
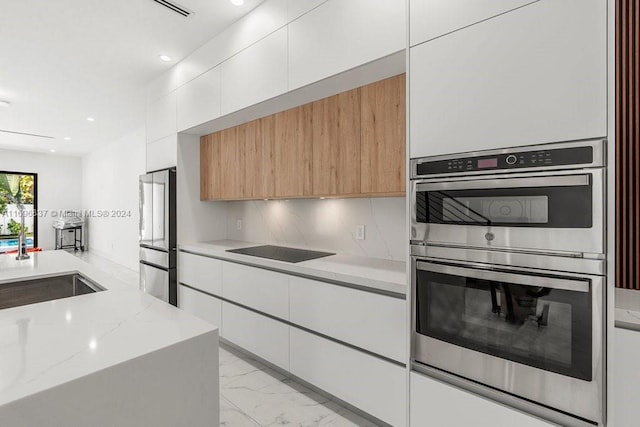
509, 318
511, 210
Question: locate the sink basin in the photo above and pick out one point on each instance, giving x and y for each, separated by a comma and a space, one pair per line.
25, 292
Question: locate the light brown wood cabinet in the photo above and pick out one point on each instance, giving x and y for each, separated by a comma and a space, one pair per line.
231, 163
336, 145
255, 140
292, 147
383, 136
347, 145
210, 185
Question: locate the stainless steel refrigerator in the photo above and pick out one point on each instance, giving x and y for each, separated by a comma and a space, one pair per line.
158, 235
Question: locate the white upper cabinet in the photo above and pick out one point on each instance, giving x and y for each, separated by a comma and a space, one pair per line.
341, 35
161, 117
434, 18
297, 8
262, 21
536, 74
256, 74
199, 100
163, 153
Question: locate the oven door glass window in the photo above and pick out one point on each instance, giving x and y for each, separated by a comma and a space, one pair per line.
528, 206
539, 326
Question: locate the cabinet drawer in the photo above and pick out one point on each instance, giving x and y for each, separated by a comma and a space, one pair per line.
367, 382
258, 334
263, 290
200, 272
201, 305
364, 319
431, 404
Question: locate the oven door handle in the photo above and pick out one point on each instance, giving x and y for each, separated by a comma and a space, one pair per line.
554, 181
574, 285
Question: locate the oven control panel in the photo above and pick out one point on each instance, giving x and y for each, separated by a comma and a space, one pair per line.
503, 161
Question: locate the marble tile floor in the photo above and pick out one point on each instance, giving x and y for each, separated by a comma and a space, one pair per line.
251, 393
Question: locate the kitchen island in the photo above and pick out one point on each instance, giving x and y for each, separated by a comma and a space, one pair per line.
116, 357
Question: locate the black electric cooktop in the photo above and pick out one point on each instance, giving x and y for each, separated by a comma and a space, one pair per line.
281, 253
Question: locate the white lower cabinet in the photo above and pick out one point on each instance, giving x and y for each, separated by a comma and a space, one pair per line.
264, 290
261, 335
626, 377
367, 382
201, 305
434, 403
200, 272
371, 321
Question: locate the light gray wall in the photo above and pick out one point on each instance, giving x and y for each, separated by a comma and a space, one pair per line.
59, 185
110, 183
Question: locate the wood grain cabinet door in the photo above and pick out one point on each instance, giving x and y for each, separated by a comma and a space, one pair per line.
293, 153
255, 141
336, 144
383, 137
210, 173
231, 164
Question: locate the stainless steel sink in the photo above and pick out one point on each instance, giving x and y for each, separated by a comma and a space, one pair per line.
32, 291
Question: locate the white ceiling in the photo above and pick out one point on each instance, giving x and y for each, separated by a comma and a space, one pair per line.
62, 61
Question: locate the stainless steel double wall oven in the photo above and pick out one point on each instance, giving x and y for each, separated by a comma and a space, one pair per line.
508, 287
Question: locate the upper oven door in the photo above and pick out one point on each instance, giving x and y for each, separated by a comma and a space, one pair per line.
560, 212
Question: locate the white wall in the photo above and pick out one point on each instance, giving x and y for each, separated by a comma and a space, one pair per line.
110, 182
59, 185
197, 221
324, 224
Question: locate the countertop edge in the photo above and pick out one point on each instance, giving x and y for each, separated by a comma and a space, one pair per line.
348, 279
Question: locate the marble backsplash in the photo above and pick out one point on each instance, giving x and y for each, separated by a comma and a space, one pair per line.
326, 225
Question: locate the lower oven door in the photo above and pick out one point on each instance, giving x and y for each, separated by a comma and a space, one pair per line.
528, 333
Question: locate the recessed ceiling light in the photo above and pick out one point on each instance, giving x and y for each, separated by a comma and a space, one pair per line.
237, 2
67, 138
4, 103
91, 119
52, 150
165, 58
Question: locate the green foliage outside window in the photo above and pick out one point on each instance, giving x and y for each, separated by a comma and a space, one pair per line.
16, 189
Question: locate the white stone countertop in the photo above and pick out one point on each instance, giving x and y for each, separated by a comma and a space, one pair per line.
627, 309
50, 343
373, 273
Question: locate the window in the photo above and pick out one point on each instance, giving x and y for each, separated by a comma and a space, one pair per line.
18, 190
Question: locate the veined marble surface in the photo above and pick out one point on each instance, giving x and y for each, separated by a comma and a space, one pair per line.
627, 309
324, 225
55, 342
374, 273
